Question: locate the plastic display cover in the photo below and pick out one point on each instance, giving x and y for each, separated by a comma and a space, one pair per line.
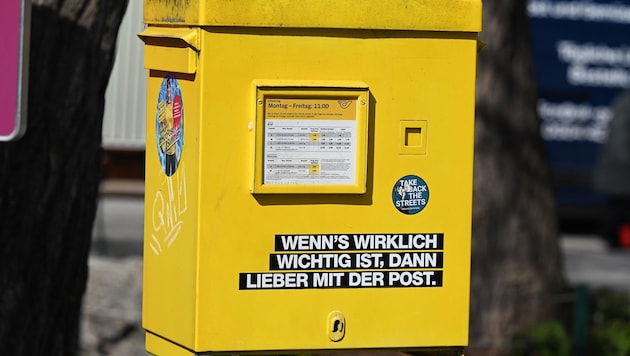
310, 138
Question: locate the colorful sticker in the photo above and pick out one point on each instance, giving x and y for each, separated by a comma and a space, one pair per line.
169, 122
410, 194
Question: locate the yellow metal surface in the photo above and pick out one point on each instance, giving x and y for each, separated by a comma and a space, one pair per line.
172, 220
159, 346
428, 15
171, 49
231, 271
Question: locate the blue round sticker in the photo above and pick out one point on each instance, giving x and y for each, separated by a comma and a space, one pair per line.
410, 194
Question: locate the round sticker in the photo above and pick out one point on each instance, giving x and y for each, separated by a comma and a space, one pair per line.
410, 194
169, 122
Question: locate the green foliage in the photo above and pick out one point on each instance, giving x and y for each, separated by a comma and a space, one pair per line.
612, 339
544, 339
610, 332
610, 305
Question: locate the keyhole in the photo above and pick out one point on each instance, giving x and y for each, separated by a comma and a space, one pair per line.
337, 326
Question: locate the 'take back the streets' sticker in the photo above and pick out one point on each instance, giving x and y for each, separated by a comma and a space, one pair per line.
410, 194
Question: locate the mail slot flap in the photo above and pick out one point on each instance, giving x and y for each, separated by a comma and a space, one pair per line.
171, 49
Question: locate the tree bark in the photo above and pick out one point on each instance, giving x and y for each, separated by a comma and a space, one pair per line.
50, 177
516, 264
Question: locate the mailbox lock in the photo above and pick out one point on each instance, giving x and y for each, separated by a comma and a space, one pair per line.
336, 326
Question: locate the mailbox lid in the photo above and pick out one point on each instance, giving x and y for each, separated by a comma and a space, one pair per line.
423, 15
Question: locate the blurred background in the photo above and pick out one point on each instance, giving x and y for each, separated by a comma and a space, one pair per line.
581, 57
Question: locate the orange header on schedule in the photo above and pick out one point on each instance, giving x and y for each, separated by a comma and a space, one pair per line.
313, 109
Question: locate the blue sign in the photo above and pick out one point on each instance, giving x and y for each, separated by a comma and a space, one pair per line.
582, 63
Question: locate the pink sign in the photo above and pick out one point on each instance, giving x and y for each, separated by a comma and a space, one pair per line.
14, 29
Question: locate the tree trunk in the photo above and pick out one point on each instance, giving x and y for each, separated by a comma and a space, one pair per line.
516, 265
50, 177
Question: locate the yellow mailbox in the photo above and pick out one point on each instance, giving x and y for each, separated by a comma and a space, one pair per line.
308, 174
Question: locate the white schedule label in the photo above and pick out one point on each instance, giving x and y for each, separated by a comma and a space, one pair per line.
310, 141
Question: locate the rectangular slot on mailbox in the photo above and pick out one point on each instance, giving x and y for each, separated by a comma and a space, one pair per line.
413, 137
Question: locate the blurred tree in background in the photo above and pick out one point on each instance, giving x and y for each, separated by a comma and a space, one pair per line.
516, 266
49, 179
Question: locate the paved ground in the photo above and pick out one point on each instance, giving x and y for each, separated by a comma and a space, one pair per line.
112, 310
112, 307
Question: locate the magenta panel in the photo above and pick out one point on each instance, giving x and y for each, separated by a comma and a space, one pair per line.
10, 58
